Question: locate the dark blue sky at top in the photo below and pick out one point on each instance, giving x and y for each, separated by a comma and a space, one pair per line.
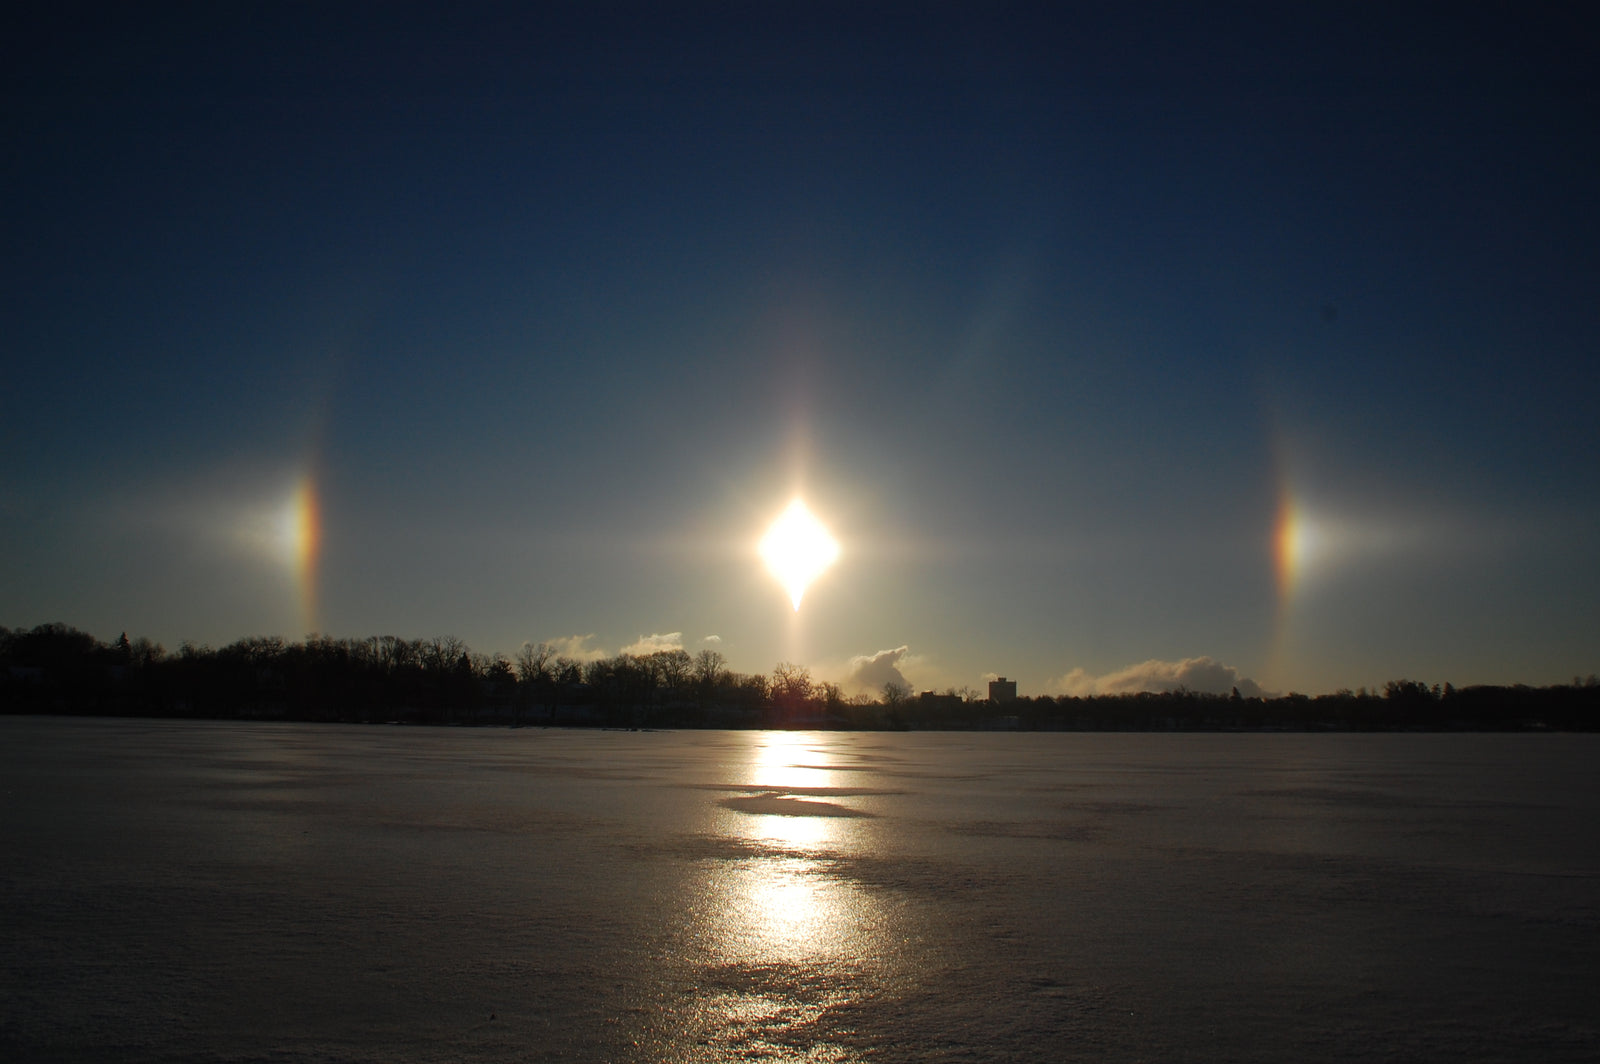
1054, 307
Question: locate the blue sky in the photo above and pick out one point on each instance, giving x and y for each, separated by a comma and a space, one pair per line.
1102, 339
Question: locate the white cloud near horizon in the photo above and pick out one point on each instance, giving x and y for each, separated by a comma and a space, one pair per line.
1203, 674
712, 639
867, 673
654, 643
577, 648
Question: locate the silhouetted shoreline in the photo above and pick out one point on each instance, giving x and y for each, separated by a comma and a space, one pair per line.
57, 669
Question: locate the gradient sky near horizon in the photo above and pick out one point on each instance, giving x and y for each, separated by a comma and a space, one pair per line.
1103, 338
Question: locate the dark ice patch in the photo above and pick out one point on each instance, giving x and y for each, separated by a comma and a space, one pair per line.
809, 792
777, 804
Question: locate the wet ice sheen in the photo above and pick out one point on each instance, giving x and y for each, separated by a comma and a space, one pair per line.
223, 891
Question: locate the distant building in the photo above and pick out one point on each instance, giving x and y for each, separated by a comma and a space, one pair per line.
934, 704
1002, 690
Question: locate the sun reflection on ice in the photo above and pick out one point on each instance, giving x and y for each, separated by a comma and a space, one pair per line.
790, 759
785, 900
789, 938
784, 911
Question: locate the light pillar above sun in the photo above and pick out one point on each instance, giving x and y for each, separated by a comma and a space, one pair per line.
798, 549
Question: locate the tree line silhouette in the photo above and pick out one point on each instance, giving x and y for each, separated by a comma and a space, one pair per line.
55, 668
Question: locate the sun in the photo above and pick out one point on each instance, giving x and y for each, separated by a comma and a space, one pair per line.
797, 549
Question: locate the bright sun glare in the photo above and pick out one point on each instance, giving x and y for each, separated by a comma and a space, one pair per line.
797, 549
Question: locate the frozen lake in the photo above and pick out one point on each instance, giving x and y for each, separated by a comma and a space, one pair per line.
178, 891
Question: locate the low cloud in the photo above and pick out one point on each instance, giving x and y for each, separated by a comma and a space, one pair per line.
869, 672
712, 639
1204, 675
654, 644
577, 648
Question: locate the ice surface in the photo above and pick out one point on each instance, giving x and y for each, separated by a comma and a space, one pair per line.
181, 891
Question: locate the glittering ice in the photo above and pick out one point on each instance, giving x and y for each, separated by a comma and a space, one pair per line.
224, 891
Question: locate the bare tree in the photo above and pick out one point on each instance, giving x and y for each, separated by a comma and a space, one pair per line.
674, 667
441, 653
710, 667
567, 671
791, 687
534, 661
